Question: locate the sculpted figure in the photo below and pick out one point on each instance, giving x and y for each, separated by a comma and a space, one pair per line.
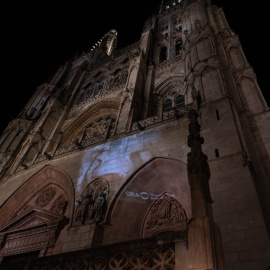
97, 211
84, 205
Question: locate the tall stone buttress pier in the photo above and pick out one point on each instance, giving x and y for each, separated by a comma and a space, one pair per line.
205, 251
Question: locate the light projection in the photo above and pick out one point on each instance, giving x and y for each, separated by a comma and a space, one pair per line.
92, 203
102, 160
142, 195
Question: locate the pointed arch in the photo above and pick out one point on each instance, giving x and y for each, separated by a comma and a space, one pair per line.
130, 206
212, 84
36, 214
47, 176
165, 214
104, 107
250, 94
171, 83
205, 48
237, 57
168, 91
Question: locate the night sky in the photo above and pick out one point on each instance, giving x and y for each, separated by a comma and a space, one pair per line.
37, 38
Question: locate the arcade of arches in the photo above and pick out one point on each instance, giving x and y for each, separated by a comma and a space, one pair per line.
43, 213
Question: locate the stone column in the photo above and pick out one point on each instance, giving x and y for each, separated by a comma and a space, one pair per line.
204, 241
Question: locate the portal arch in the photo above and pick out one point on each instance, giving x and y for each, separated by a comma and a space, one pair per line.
35, 215
129, 209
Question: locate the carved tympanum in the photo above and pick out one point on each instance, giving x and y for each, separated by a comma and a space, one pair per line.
98, 130
36, 225
59, 205
45, 197
165, 214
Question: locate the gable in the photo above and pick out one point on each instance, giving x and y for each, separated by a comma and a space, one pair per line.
30, 219
32, 230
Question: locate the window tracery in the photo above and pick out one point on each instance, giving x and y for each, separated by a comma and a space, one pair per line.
95, 88
99, 129
173, 100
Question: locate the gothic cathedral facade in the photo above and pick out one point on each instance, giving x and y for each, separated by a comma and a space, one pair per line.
153, 156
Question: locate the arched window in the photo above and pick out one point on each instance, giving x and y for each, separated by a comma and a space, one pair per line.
178, 46
167, 105
179, 101
173, 100
163, 54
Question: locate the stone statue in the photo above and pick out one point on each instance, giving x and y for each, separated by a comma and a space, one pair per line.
98, 208
84, 204
92, 203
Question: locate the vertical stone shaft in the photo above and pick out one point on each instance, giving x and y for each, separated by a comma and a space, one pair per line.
198, 171
205, 248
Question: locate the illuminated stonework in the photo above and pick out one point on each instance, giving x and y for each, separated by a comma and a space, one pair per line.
108, 42
92, 203
105, 167
165, 214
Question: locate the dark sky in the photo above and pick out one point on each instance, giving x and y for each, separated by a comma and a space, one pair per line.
37, 38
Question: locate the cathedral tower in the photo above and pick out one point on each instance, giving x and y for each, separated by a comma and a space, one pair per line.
153, 156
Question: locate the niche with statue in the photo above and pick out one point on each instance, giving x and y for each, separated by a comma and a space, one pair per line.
92, 203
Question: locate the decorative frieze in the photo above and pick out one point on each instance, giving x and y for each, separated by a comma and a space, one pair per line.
134, 256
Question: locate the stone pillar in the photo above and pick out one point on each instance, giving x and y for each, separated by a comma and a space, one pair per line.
181, 256
204, 241
123, 117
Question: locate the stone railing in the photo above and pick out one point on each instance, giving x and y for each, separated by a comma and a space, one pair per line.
178, 112
144, 123
167, 115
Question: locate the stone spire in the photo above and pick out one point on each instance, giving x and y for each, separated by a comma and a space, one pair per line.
167, 4
108, 42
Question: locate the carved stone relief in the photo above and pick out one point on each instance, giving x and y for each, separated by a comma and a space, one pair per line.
59, 205
36, 225
45, 197
93, 89
165, 214
101, 128
92, 204
81, 119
